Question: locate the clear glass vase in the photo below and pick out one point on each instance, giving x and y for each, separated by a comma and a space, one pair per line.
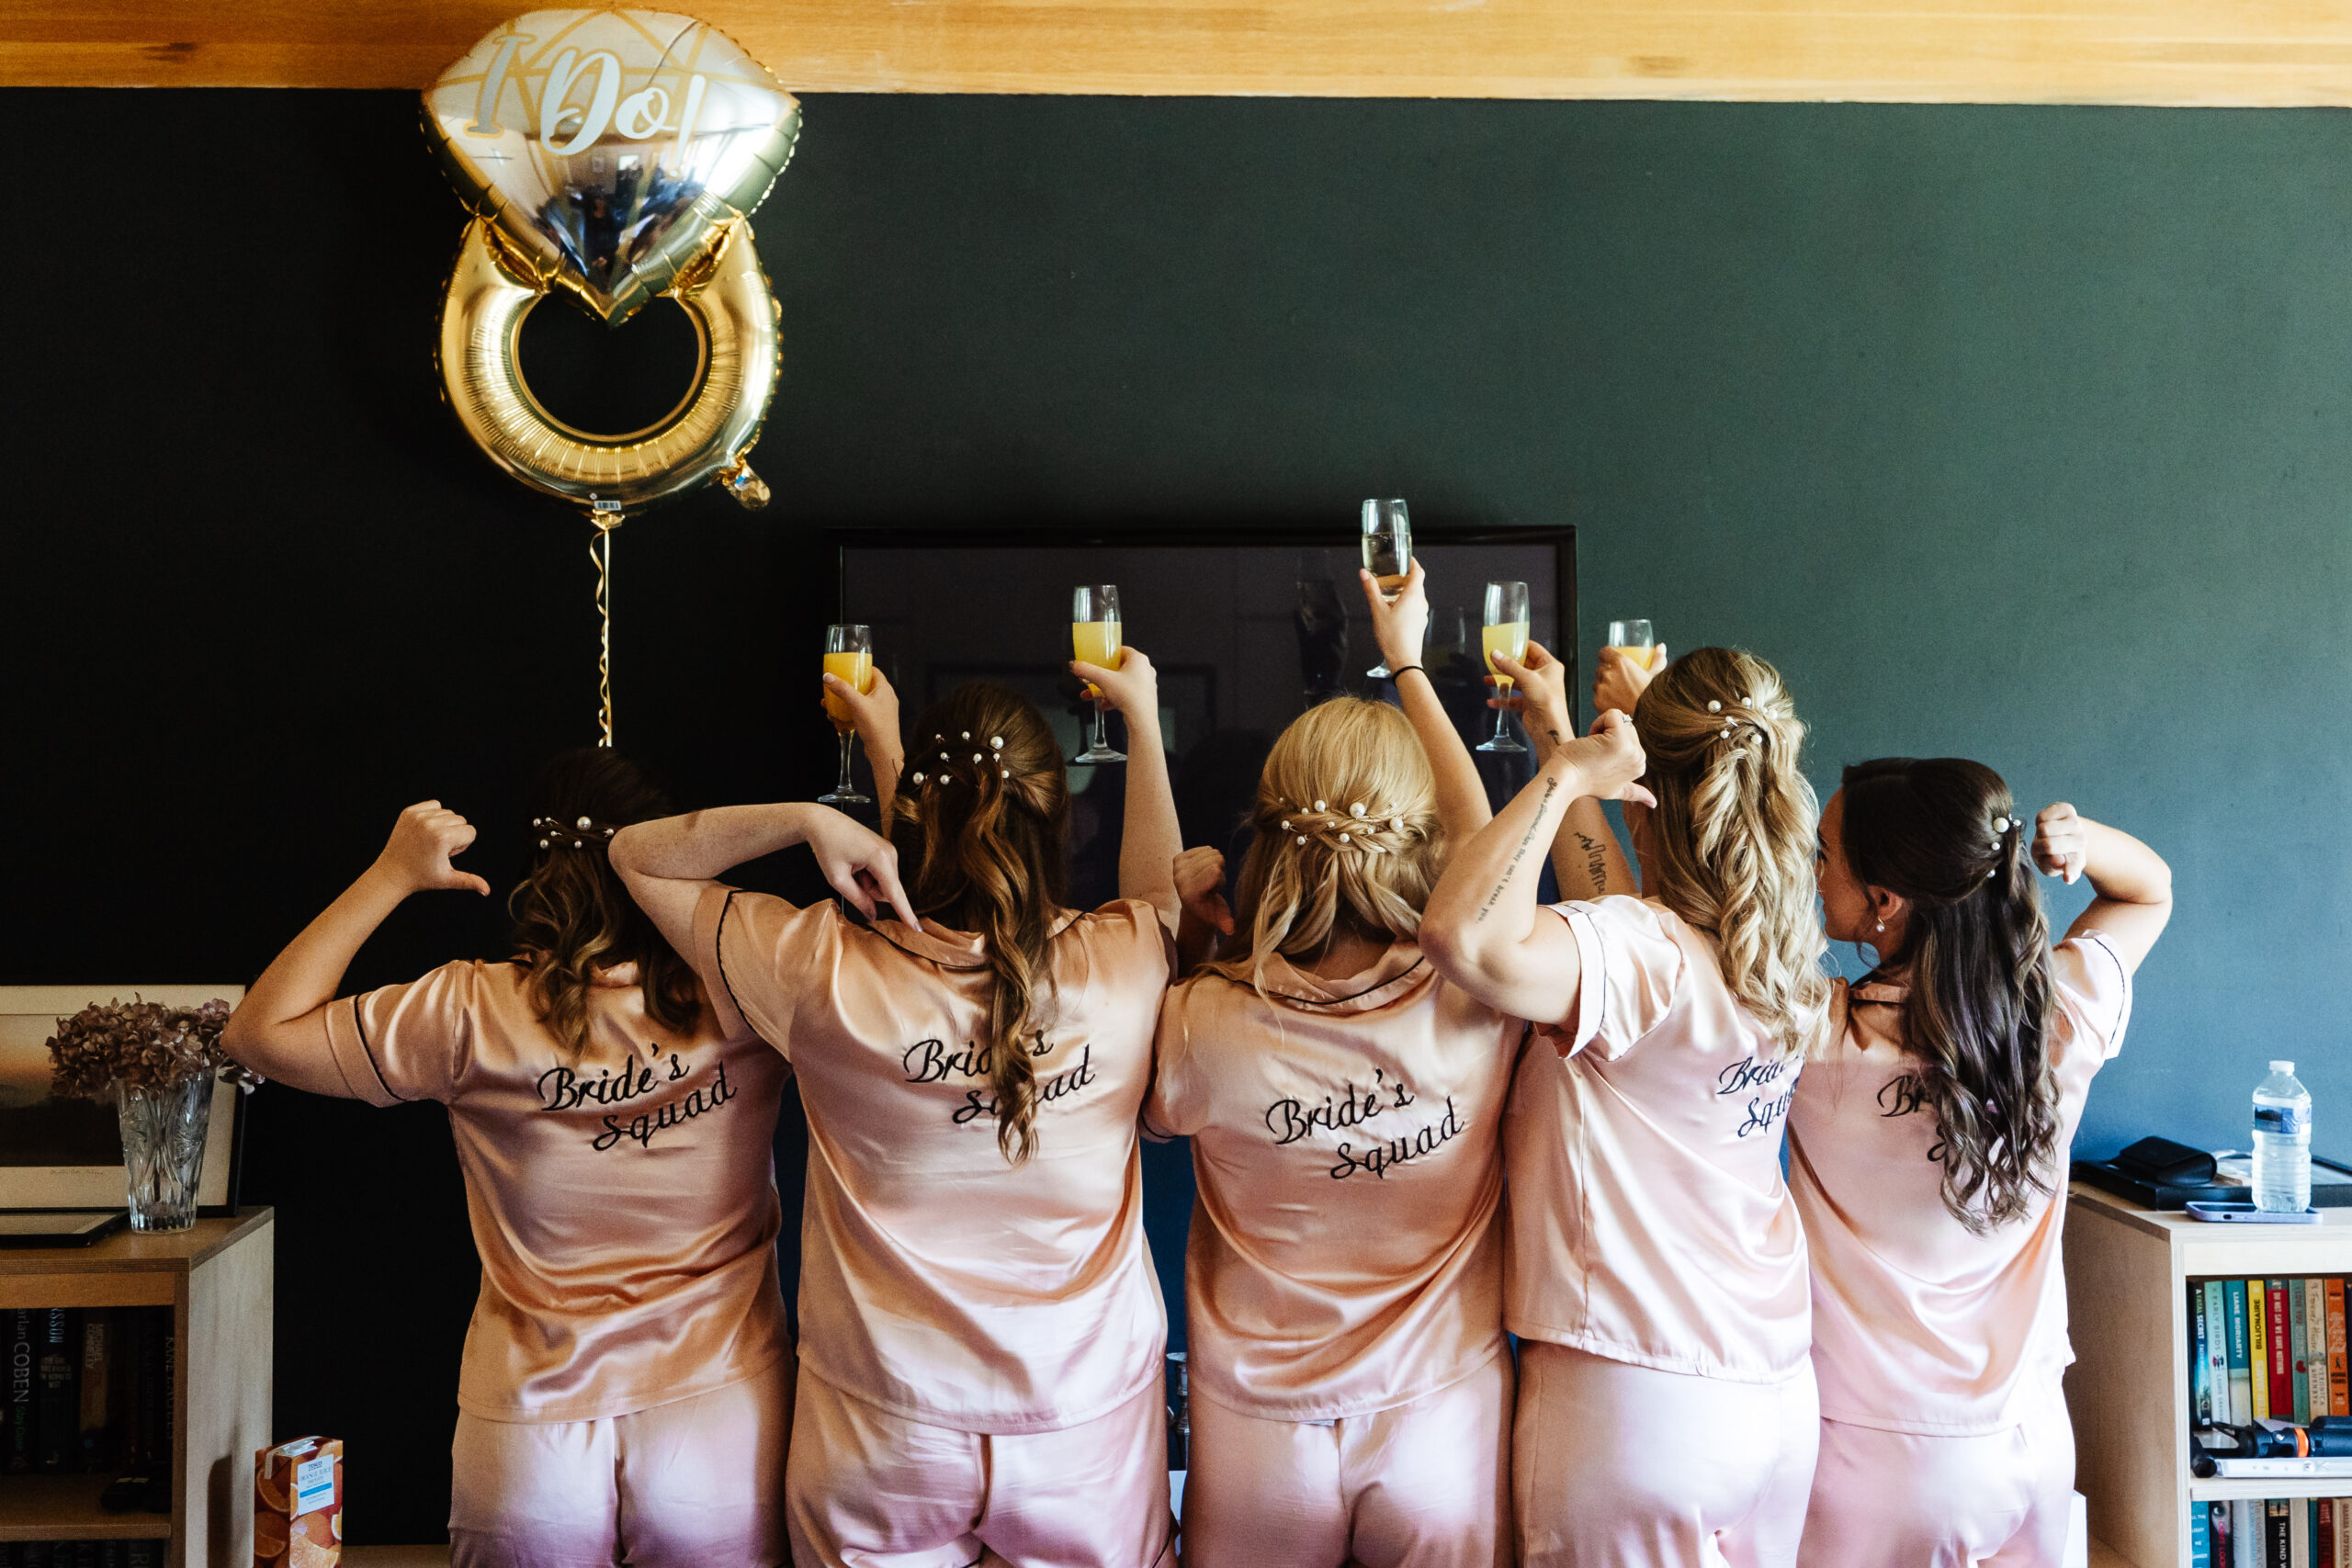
162, 1149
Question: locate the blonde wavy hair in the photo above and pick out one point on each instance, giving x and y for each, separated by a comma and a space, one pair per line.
1348, 838
1733, 832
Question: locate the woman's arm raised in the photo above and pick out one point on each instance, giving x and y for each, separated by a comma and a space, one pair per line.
875, 715
1399, 629
279, 1030
667, 864
1482, 928
1149, 838
2134, 883
1586, 858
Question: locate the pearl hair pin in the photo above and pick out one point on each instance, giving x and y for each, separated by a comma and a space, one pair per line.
1714, 705
1357, 809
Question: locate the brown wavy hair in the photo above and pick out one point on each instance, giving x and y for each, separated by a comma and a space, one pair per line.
1733, 831
981, 824
571, 915
1977, 950
1318, 866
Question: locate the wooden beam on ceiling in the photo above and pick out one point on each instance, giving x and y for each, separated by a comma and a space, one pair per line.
2242, 52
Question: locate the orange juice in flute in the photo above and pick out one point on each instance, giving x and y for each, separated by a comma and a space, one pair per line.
1094, 639
849, 653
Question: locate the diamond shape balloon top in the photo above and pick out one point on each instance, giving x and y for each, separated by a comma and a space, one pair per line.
610, 147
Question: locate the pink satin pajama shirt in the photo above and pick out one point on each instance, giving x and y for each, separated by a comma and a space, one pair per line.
1654, 1254
948, 1296
624, 1205
1343, 1284
1924, 1330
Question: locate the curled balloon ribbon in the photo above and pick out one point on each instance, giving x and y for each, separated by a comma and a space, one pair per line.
615, 155
600, 550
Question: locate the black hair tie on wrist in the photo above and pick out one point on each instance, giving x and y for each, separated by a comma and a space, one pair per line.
1399, 674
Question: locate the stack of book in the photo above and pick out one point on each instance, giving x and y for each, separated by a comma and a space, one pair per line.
2274, 1532
88, 1392
82, 1554
2268, 1349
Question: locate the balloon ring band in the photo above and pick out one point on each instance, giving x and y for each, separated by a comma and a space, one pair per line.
707, 436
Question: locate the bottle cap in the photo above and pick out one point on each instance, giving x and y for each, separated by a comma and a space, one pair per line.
2286, 1068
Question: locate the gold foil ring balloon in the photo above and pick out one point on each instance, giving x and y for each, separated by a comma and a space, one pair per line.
615, 155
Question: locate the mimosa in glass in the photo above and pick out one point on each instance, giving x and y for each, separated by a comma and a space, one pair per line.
1094, 639
1635, 640
1387, 554
1505, 633
849, 653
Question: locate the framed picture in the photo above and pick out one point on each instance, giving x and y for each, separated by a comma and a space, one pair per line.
1247, 628
57, 1153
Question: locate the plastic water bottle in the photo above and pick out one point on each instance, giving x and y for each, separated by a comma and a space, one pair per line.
2282, 1143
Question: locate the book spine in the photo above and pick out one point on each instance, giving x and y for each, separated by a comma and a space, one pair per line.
97, 1362
2298, 1533
2240, 1369
2315, 1310
167, 1393
2247, 1518
2200, 1382
2324, 1533
2257, 1346
2299, 1352
57, 1429
18, 1457
2276, 1533
2217, 1329
2274, 1331
2201, 1533
2337, 1367
137, 1400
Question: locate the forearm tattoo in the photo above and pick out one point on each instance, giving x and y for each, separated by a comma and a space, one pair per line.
1542, 809
1596, 864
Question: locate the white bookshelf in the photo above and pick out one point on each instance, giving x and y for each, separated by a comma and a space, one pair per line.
2126, 1288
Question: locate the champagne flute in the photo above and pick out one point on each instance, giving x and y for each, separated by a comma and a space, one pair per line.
1094, 636
1387, 554
1635, 640
849, 653
1505, 633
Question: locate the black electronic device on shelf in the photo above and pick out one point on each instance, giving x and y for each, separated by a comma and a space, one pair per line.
2157, 1173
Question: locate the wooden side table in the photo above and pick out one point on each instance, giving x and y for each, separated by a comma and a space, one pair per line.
219, 1280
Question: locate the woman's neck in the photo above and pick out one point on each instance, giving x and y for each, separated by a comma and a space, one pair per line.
1348, 953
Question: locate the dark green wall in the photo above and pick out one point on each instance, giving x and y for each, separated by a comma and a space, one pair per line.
2011, 433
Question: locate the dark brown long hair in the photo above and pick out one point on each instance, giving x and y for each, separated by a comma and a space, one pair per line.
571, 914
1977, 948
981, 824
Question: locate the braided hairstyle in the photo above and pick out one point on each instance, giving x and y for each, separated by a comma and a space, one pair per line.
572, 915
1944, 833
1733, 831
1347, 837
982, 825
